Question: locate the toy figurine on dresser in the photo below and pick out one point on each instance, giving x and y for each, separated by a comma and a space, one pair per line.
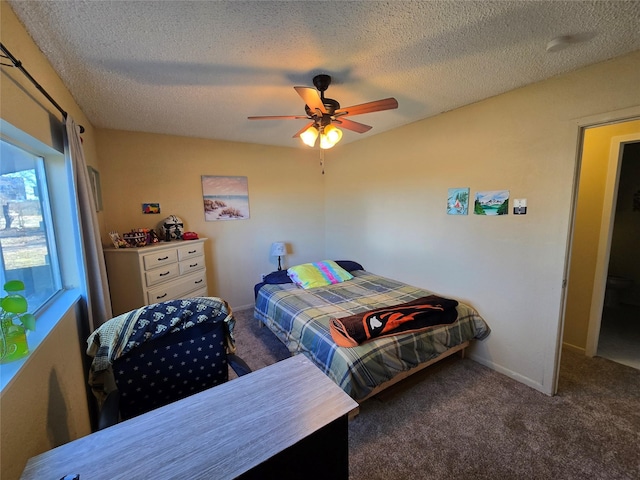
172, 228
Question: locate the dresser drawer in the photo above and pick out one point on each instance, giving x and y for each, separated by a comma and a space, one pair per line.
201, 292
188, 251
166, 272
178, 288
157, 259
191, 265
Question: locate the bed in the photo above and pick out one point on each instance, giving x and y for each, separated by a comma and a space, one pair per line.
300, 318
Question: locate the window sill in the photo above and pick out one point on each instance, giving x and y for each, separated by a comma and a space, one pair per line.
45, 323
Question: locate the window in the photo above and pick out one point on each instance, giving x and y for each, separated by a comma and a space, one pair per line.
27, 241
36, 181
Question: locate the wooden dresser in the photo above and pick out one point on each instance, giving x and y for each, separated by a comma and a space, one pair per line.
155, 273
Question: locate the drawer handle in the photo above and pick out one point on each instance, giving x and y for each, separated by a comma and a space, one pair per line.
161, 296
194, 265
163, 258
167, 273
191, 251
199, 281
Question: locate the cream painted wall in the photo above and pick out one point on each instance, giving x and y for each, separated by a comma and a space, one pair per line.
381, 202
286, 201
22, 104
45, 405
386, 207
594, 165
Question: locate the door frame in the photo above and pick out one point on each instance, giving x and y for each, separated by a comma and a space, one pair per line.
581, 124
616, 150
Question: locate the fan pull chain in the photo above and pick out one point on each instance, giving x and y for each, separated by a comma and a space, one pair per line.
322, 160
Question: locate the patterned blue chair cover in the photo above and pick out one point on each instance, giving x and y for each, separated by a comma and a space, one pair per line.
170, 368
161, 353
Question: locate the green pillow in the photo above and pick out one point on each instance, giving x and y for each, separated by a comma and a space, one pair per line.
318, 274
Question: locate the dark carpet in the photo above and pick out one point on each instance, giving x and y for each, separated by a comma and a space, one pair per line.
461, 420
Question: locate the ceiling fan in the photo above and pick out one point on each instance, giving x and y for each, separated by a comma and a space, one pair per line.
325, 112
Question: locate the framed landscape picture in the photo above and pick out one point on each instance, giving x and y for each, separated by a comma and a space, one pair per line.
494, 202
225, 198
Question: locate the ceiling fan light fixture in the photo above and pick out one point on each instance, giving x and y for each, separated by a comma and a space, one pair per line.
309, 136
322, 111
330, 136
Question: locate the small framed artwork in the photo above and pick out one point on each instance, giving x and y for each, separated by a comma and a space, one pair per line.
494, 202
225, 198
458, 201
150, 208
94, 180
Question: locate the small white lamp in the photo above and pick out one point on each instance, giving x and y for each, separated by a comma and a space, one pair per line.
278, 249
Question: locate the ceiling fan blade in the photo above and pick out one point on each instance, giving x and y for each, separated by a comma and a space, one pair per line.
369, 107
351, 125
303, 129
311, 98
277, 117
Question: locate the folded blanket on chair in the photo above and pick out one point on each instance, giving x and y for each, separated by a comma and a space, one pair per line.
420, 314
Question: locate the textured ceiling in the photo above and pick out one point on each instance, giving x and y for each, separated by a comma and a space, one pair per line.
201, 68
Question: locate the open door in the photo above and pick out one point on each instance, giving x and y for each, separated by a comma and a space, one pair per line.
604, 243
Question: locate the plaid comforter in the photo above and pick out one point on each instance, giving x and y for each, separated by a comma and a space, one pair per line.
300, 319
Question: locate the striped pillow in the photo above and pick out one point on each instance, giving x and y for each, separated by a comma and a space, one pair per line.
318, 274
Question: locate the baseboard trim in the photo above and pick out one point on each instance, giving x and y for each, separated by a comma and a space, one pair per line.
574, 348
243, 308
509, 373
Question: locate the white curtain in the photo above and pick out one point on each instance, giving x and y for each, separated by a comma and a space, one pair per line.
97, 286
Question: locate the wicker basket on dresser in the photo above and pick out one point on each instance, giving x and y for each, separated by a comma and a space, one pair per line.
155, 273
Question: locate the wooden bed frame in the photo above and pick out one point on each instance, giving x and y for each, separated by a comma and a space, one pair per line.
403, 375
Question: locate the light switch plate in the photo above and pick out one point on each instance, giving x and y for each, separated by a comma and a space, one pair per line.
519, 206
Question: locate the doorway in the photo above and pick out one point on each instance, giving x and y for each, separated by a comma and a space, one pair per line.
619, 336
602, 146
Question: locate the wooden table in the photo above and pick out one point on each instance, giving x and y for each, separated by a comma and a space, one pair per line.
288, 420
